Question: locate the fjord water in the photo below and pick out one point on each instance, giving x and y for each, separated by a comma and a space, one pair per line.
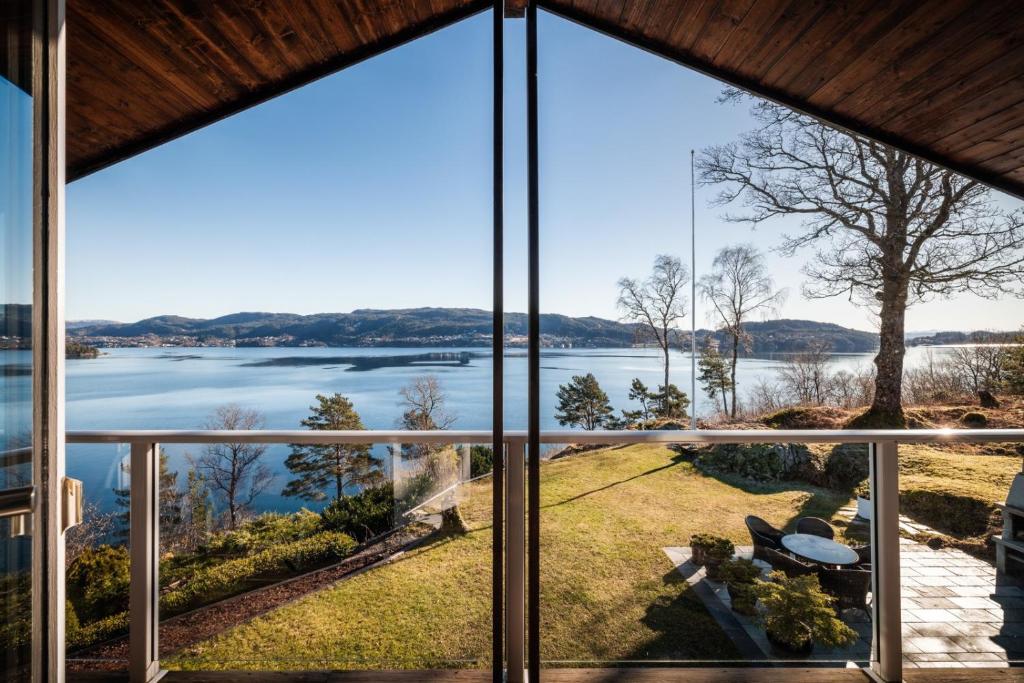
178, 388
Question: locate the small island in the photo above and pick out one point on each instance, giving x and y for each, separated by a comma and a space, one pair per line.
74, 349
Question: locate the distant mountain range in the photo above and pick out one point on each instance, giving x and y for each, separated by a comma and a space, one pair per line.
976, 337
437, 327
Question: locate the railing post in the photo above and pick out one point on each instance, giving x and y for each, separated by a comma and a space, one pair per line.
515, 560
144, 593
887, 647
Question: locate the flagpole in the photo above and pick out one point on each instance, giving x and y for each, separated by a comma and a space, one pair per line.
693, 300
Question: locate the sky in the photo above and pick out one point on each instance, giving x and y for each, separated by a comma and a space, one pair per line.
371, 188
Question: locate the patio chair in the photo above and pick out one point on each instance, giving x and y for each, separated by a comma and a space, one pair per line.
849, 586
790, 566
815, 527
764, 535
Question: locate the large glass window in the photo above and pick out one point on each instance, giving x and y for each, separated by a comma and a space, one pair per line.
15, 327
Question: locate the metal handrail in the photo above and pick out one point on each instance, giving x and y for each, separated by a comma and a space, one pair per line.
144, 665
699, 436
17, 501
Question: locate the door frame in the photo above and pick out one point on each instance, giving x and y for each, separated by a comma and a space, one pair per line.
48, 163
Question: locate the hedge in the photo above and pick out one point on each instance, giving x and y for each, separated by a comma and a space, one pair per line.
228, 578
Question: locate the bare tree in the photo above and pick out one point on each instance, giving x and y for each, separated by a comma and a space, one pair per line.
233, 471
851, 388
980, 366
890, 230
764, 397
424, 403
658, 303
805, 376
737, 287
95, 528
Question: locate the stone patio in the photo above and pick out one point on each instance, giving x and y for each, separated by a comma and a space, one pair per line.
955, 612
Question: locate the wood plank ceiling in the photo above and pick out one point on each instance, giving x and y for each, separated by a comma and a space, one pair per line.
943, 79
144, 72
940, 78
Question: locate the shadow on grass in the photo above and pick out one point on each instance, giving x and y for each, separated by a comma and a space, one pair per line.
684, 630
675, 461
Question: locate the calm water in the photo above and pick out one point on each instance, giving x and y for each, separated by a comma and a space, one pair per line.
178, 388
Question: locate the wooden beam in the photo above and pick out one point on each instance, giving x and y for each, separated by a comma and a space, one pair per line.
515, 9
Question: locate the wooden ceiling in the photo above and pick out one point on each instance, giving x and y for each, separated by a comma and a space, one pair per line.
141, 72
943, 79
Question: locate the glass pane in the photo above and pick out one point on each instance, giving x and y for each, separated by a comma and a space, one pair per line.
661, 554
962, 552
367, 236
15, 327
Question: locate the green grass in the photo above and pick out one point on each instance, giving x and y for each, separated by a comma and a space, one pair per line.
609, 593
960, 471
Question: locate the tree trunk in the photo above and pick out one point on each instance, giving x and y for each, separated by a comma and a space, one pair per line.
732, 375
887, 406
665, 398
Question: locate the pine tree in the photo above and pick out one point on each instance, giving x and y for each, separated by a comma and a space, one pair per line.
714, 375
582, 403
638, 392
199, 508
671, 403
331, 467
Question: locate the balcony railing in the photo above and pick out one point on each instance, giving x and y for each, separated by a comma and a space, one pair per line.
886, 656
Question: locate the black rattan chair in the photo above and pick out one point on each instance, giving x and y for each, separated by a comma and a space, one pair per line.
863, 555
790, 566
815, 527
764, 535
849, 586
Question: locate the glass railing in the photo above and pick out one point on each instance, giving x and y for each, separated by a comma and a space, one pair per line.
657, 548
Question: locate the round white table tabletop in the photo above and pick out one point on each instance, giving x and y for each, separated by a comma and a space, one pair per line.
819, 549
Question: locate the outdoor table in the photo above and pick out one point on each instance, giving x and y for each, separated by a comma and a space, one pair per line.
819, 549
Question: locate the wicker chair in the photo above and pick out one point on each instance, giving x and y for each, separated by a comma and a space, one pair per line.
790, 566
815, 527
764, 536
849, 586
863, 555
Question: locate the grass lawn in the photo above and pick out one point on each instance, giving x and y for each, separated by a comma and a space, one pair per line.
609, 593
961, 471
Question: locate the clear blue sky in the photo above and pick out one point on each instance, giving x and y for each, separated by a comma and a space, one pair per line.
372, 189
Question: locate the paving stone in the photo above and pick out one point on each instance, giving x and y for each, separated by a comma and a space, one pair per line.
977, 644
976, 628
940, 665
973, 603
934, 603
980, 615
970, 591
940, 644
940, 630
940, 580
979, 656
933, 571
935, 591
931, 657
934, 615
